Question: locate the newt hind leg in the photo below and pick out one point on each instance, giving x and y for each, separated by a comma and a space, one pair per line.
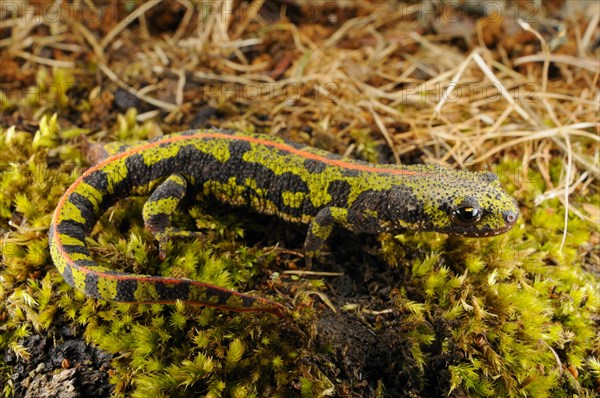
159, 209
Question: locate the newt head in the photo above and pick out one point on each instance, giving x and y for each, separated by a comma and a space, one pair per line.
453, 202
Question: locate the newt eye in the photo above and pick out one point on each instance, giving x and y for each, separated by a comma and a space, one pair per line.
465, 216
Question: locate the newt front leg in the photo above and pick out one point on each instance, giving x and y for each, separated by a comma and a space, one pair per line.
322, 225
159, 209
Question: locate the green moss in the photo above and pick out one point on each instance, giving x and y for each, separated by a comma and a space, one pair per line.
518, 309
366, 146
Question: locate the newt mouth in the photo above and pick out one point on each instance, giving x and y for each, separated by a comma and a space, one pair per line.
491, 232
510, 218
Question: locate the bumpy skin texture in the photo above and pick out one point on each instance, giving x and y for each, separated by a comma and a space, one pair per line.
295, 182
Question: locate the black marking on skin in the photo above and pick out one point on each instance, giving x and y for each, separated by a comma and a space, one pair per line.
140, 175
291, 182
91, 285
262, 175
73, 229
76, 249
402, 204
86, 207
137, 175
206, 168
339, 190
98, 179
188, 132
237, 148
295, 145
172, 291
369, 200
469, 201
67, 274
286, 182
489, 177
235, 166
157, 222
168, 165
222, 295
314, 166
308, 207
85, 263
350, 172
126, 290
123, 148
248, 302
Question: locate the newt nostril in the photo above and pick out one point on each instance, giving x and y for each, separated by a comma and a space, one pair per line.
510, 216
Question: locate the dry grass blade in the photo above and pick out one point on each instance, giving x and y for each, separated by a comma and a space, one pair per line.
126, 21
589, 64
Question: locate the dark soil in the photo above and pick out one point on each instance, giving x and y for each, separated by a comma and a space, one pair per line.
69, 368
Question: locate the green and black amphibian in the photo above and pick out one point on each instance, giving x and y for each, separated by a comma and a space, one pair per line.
295, 182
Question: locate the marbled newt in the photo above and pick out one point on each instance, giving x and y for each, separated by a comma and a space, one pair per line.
271, 176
